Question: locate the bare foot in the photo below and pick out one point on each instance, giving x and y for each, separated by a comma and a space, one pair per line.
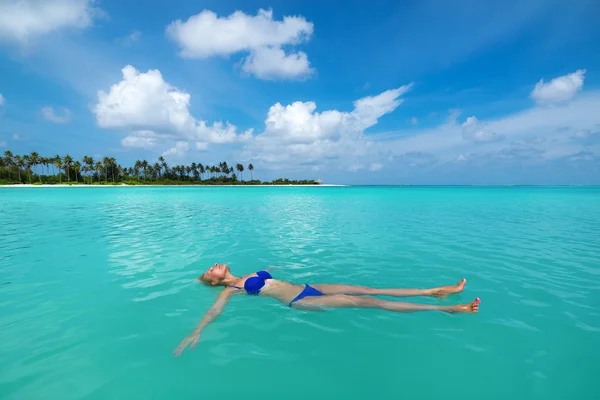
472, 307
446, 290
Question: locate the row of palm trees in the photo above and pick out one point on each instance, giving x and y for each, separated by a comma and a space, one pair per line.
108, 169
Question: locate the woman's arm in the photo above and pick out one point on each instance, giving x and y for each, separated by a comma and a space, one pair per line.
209, 317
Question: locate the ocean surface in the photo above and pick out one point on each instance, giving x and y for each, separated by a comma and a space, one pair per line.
97, 289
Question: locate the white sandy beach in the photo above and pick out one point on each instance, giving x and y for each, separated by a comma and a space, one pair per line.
121, 185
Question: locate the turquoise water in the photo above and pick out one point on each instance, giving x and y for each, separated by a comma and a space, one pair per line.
97, 289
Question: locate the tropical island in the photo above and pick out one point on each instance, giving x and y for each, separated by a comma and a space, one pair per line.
29, 169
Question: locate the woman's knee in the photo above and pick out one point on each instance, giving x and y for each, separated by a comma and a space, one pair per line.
365, 302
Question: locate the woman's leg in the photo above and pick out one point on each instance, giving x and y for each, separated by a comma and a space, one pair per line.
344, 301
367, 291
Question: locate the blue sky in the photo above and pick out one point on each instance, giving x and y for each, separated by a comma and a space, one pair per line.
387, 92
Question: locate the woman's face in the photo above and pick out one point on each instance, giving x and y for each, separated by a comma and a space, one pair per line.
216, 273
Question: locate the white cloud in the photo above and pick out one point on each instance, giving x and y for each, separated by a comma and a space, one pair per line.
130, 39
201, 146
369, 109
141, 140
2, 100
477, 131
145, 102
538, 133
296, 133
560, 89
205, 35
271, 63
300, 123
414, 121
179, 149
296, 137
50, 115
376, 167
23, 20
3, 143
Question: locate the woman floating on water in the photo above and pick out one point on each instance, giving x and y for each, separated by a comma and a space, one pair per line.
315, 297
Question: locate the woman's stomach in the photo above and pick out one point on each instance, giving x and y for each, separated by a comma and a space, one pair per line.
281, 290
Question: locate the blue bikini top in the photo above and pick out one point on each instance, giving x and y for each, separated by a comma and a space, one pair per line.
253, 284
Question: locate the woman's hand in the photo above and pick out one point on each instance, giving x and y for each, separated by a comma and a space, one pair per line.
191, 338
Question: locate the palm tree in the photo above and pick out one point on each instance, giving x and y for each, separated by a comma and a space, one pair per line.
240, 168
113, 166
27, 162
8, 161
145, 168
98, 169
35, 160
76, 168
156, 168
224, 167
251, 168
194, 170
45, 161
106, 163
88, 163
68, 160
121, 171
58, 163
163, 163
20, 164
137, 166
85, 169
201, 170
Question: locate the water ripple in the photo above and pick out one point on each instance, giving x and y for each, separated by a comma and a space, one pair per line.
98, 286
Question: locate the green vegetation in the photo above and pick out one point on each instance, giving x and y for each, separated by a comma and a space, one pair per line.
29, 168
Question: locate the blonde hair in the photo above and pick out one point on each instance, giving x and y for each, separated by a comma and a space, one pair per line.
203, 279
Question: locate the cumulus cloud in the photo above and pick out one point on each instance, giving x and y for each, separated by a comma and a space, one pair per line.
560, 89
141, 140
414, 121
271, 63
376, 167
179, 149
2, 100
205, 34
201, 146
477, 131
50, 115
144, 102
23, 20
298, 135
299, 123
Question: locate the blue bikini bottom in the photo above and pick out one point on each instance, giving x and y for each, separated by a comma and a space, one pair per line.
308, 291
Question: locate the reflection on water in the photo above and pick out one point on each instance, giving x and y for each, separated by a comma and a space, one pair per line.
97, 287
